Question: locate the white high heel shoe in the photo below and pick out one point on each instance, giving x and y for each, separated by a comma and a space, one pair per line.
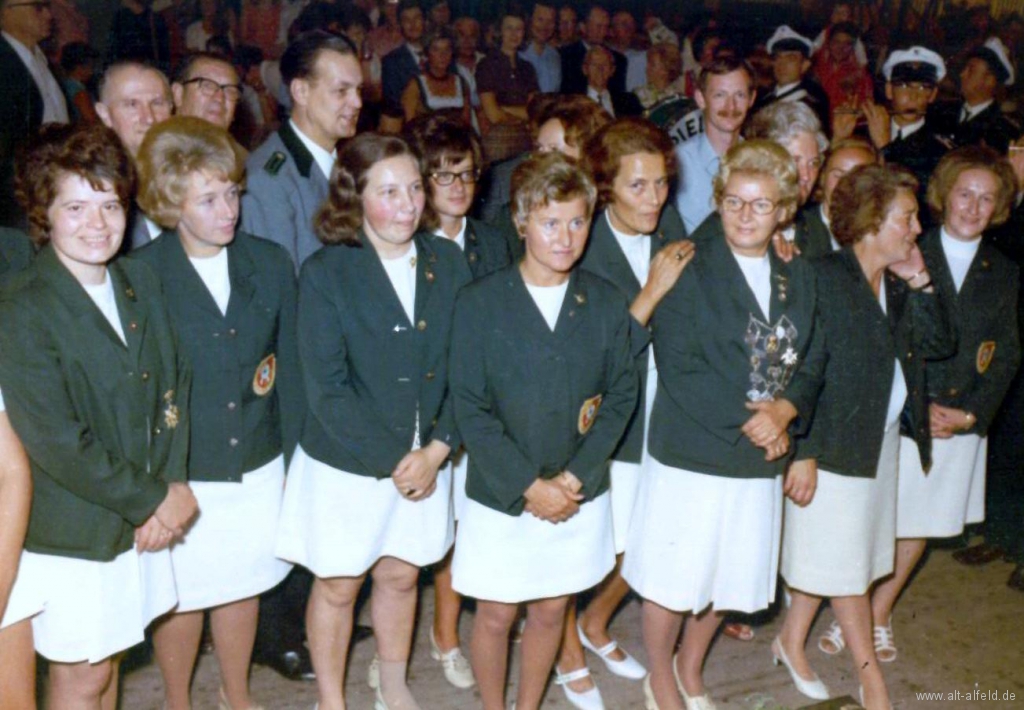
697, 702
813, 688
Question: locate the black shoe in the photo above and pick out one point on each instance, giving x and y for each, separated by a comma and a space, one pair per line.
293, 664
1016, 580
978, 555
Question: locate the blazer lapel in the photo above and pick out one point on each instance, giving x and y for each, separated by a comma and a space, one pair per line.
240, 272
372, 269
182, 274
133, 316
724, 269
575, 307
613, 260
426, 273
74, 296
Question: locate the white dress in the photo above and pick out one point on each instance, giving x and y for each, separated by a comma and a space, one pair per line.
519, 558
699, 540
338, 524
228, 553
845, 538
93, 610
951, 495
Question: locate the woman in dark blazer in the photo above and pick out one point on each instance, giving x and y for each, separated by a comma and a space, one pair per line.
232, 301
635, 244
367, 489
98, 395
738, 372
881, 318
450, 160
544, 383
972, 189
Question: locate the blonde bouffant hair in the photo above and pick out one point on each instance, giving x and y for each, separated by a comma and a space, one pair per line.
172, 152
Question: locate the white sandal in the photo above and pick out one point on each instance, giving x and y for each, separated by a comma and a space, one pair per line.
885, 643
588, 699
834, 636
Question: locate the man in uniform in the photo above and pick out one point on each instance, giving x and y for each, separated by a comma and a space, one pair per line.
911, 85
791, 61
288, 175
133, 98
32, 95
207, 87
979, 119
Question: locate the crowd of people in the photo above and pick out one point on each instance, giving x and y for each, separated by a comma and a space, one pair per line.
300, 294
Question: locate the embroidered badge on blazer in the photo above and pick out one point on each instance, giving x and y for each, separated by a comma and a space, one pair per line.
170, 411
986, 351
773, 357
588, 413
263, 380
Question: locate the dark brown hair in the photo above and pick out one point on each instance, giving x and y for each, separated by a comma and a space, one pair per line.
580, 118
441, 142
723, 65
92, 152
974, 157
339, 219
603, 153
862, 199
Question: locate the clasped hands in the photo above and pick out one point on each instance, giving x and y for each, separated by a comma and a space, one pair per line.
554, 500
767, 428
415, 476
169, 521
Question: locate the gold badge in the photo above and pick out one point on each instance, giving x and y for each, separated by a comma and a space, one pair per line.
986, 351
263, 380
588, 413
170, 411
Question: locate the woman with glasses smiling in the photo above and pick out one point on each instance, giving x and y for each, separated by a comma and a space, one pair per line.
738, 373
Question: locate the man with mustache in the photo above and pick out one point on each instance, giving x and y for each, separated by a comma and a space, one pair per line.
724, 94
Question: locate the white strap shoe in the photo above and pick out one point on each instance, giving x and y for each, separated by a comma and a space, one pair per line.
885, 643
628, 667
588, 699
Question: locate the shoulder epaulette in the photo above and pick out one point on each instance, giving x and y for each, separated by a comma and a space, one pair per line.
274, 163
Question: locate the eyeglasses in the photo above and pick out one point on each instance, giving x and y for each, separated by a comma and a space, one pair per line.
209, 87
467, 177
38, 6
761, 206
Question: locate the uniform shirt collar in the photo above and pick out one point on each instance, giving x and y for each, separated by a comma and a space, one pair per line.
324, 160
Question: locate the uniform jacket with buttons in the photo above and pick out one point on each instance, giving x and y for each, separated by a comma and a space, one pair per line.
486, 249
984, 314
105, 425
990, 127
863, 342
284, 189
369, 371
813, 237
604, 257
708, 370
242, 423
16, 252
523, 393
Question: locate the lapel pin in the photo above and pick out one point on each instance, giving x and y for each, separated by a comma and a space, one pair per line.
130, 292
580, 298
429, 275
412, 262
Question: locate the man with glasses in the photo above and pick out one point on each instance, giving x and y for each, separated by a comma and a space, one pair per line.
32, 95
911, 86
207, 87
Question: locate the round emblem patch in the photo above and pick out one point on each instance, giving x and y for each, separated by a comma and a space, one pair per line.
588, 413
986, 351
263, 380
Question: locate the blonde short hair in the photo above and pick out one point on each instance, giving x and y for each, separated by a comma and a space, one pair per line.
172, 152
544, 178
762, 158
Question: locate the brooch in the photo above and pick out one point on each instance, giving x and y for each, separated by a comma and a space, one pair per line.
170, 411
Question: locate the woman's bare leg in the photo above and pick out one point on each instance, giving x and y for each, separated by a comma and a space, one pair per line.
234, 632
661, 629
329, 631
854, 616
545, 619
489, 650
176, 640
17, 667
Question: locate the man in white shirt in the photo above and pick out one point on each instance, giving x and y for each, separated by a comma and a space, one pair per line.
32, 95
134, 97
288, 175
598, 68
724, 94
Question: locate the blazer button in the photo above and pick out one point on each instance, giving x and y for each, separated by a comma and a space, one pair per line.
232, 332
145, 375
231, 406
133, 326
910, 354
472, 258
156, 431
233, 441
429, 375
953, 391
422, 325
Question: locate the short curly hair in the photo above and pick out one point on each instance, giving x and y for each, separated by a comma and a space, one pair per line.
544, 178
603, 153
341, 216
172, 152
761, 158
92, 152
974, 157
861, 200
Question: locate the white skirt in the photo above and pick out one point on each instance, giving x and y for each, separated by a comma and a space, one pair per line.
951, 495
338, 524
625, 477
26, 599
699, 540
228, 553
460, 467
845, 539
512, 559
92, 610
